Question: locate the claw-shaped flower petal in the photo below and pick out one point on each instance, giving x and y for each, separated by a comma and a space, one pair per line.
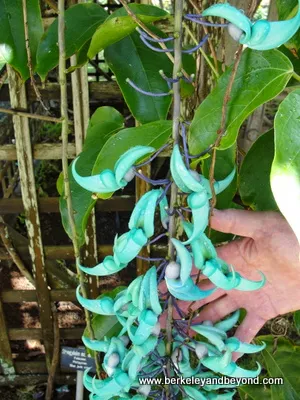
110, 181
202, 248
164, 216
103, 306
147, 321
247, 285
184, 259
143, 213
187, 180
235, 345
128, 245
225, 366
111, 386
229, 322
148, 298
214, 273
260, 35
199, 204
189, 291
95, 345
128, 159
106, 267
214, 335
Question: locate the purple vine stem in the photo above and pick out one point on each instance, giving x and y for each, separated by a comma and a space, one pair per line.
178, 309
150, 46
186, 209
164, 193
157, 238
162, 274
200, 44
132, 84
151, 39
154, 156
150, 258
180, 214
202, 153
152, 181
197, 19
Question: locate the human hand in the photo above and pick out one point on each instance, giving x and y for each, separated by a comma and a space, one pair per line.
268, 245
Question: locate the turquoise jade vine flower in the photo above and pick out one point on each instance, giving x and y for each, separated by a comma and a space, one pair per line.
139, 350
258, 35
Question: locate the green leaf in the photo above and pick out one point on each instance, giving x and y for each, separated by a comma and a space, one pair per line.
294, 57
254, 180
104, 114
155, 134
261, 76
285, 172
130, 58
254, 392
119, 25
288, 9
81, 22
81, 57
12, 36
296, 318
225, 162
282, 359
112, 293
82, 202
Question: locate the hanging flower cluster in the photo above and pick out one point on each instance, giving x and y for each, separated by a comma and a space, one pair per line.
139, 350
199, 350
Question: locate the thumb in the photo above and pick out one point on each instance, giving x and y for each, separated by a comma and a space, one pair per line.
238, 222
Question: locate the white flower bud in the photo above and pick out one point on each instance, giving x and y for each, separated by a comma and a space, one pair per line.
201, 350
113, 360
207, 323
173, 270
144, 390
125, 340
130, 174
156, 329
235, 32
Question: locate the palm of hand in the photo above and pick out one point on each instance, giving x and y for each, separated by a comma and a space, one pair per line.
269, 245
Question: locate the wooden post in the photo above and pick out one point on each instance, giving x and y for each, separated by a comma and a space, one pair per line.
6, 361
80, 90
29, 197
141, 187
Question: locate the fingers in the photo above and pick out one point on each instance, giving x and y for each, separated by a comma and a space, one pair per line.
239, 222
217, 309
247, 331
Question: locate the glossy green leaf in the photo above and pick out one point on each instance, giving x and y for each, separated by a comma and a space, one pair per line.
130, 58
296, 318
254, 392
81, 57
285, 172
254, 180
105, 114
12, 36
155, 134
112, 293
97, 135
119, 25
81, 21
225, 162
288, 9
261, 76
294, 57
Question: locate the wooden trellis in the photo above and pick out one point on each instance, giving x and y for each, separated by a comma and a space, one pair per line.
17, 166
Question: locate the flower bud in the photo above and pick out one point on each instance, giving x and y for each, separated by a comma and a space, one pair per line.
173, 270
207, 323
130, 174
113, 360
144, 390
235, 32
201, 350
156, 329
